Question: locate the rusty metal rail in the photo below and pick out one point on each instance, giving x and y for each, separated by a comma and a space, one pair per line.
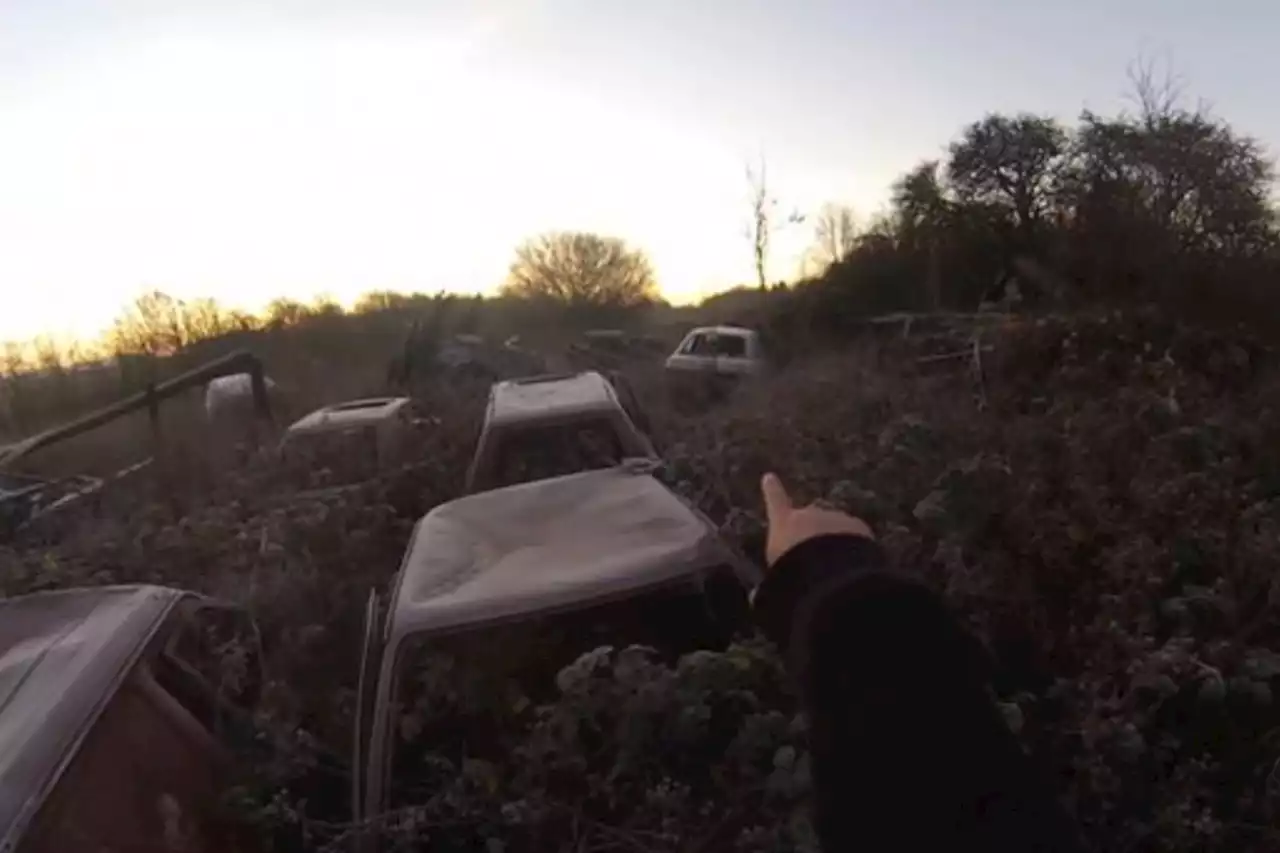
149, 399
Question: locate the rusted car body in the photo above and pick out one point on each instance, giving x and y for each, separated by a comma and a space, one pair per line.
106, 717
24, 496
118, 704
551, 425
550, 549
364, 435
28, 501
726, 351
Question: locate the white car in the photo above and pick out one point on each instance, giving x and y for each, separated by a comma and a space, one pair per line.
556, 424
519, 581
721, 350
359, 436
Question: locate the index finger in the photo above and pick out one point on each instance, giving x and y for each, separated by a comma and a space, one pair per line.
777, 503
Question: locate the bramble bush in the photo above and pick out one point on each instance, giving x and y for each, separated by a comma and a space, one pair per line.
1105, 515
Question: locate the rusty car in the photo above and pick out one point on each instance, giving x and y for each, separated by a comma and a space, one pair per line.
553, 424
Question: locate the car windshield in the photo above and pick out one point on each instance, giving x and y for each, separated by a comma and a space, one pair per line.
536, 453
498, 677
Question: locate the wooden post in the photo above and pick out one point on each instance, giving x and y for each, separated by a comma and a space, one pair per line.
237, 362
153, 412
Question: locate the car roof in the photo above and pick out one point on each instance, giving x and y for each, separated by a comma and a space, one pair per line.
63, 654
739, 331
550, 395
547, 546
352, 413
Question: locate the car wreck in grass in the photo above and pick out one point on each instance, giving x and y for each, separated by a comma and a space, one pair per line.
710, 361
24, 497
360, 437
29, 502
109, 700
123, 709
545, 426
557, 567
728, 351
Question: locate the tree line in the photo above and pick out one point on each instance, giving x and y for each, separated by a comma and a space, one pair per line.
1164, 202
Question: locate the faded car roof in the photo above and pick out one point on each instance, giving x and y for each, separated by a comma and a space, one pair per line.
62, 655
554, 394
738, 331
548, 545
349, 414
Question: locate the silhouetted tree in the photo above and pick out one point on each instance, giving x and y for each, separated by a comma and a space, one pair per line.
153, 325
1010, 163
920, 206
1166, 194
583, 272
283, 312
835, 234
325, 305
764, 221
382, 300
1161, 203
205, 318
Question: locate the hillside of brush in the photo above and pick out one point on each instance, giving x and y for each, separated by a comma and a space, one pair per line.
1104, 510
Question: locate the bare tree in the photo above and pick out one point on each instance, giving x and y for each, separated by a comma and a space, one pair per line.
581, 271
764, 220
381, 300
152, 325
835, 234
283, 312
1157, 93
205, 319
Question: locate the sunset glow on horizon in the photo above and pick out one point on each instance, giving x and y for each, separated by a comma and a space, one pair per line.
246, 151
289, 164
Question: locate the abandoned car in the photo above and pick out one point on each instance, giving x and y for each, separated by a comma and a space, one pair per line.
546, 426
109, 698
27, 499
122, 708
361, 436
516, 583
721, 350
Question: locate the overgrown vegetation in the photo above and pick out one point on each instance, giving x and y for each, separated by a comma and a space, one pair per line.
1105, 514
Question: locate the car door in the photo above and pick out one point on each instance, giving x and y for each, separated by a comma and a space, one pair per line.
732, 355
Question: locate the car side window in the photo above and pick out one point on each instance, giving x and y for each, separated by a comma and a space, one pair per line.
731, 346
700, 345
537, 453
211, 657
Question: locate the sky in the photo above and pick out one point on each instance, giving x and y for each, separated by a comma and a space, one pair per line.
248, 150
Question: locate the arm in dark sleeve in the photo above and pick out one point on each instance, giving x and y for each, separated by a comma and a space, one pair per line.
909, 749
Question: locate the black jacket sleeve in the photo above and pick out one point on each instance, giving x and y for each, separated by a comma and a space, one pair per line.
909, 750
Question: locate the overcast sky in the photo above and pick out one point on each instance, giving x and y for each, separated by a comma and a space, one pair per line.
246, 150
